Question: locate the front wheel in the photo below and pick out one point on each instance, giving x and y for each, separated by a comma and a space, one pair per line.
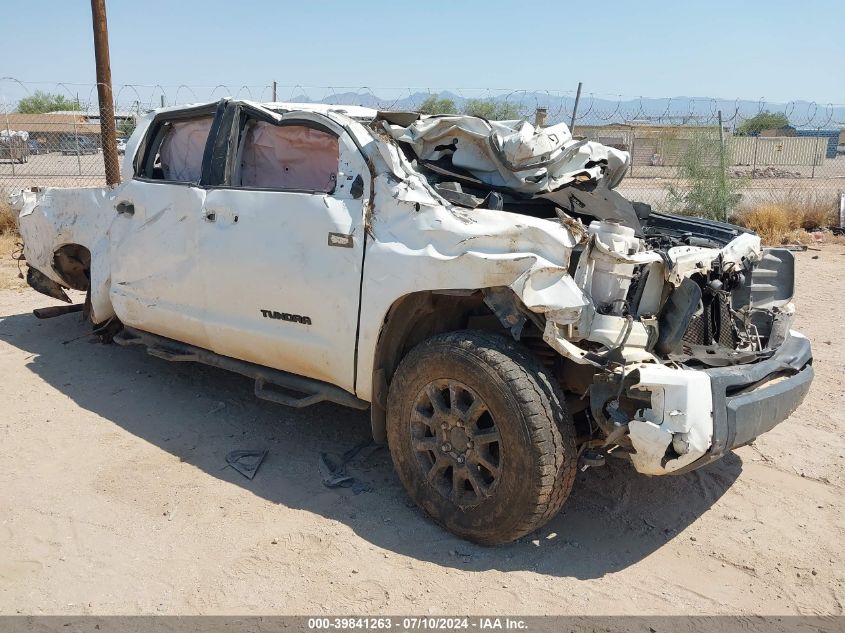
480, 436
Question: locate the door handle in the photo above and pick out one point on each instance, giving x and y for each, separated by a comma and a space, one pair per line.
211, 216
124, 207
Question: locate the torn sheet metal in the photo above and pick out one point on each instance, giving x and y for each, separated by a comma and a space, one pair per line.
247, 462
333, 471
419, 244
512, 154
46, 286
599, 201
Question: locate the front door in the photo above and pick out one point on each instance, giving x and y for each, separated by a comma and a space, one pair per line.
282, 246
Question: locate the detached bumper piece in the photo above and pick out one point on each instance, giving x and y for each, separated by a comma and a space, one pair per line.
749, 400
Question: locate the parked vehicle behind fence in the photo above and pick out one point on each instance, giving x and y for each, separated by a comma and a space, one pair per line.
14, 146
36, 147
77, 145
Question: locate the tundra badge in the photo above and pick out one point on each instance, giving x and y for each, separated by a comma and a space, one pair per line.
285, 316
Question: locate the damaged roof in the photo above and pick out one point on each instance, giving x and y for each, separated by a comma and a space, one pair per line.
511, 154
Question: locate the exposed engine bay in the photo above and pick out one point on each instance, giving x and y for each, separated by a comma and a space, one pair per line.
661, 314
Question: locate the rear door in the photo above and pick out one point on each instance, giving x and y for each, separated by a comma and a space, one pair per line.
282, 244
156, 283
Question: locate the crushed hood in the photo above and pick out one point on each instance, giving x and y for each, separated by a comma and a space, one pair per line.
511, 154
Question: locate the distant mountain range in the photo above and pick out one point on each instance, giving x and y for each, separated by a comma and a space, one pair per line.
596, 111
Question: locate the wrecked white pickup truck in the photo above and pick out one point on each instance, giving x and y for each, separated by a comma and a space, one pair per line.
479, 285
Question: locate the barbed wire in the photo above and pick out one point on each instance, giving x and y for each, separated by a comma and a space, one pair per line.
593, 109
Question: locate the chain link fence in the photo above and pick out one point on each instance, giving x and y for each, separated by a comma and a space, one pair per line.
685, 153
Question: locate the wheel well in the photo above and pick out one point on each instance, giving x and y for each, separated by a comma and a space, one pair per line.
410, 320
72, 262
414, 318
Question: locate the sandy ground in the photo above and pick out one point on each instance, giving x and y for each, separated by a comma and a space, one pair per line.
115, 499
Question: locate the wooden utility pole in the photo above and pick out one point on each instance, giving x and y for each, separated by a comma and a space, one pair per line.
108, 134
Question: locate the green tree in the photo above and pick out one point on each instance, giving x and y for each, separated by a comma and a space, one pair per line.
764, 121
126, 127
705, 190
39, 102
435, 105
491, 110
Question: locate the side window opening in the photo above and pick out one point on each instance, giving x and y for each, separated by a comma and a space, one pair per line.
287, 157
177, 150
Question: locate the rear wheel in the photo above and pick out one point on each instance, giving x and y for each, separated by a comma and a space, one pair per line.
480, 436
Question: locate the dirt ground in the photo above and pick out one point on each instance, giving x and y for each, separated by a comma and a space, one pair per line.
115, 499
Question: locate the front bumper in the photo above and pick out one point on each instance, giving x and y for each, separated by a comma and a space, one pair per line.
751, 399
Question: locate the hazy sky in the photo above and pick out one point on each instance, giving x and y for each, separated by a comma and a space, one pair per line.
774, 49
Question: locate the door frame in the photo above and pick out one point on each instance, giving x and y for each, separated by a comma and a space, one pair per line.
155, 130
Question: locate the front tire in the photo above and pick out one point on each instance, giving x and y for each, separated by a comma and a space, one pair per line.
480, 436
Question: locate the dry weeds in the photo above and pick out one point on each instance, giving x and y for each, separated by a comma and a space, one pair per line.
794, 217
770, 221
7, 219
10, 267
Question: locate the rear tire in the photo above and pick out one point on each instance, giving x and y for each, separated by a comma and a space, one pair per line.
480, 436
